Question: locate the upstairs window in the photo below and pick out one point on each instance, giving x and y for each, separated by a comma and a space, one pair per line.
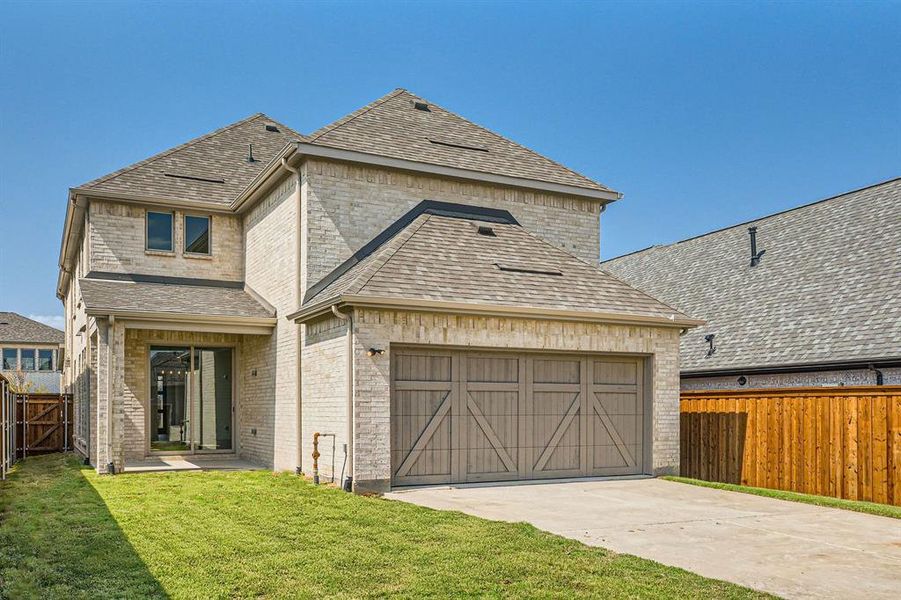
27, 359
10, 359
197, 235
45, 360
159, 231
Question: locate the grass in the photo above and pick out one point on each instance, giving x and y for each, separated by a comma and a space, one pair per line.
873, 508
66, 532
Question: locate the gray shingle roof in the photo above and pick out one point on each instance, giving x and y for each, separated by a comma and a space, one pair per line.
211, 168
391, 126
207, 300
16, 328
827, 289
443, 258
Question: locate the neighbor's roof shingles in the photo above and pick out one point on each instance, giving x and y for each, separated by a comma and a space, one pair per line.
392, 127
219, 155
827, 289
445, 259
14, 328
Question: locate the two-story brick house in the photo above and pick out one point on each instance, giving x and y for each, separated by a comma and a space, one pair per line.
422, 291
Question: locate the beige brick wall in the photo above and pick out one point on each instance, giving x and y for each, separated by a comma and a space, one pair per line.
117, 242
384, 329
347, 205
270, 402
324, 360
136, 391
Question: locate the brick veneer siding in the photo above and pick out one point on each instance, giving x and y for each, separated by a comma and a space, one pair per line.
347, 205
324, 361
269, 408
385, 329
117, 242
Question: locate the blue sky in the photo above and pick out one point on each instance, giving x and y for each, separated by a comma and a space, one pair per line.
702, 114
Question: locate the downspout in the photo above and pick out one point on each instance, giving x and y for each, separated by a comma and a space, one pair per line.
298, 468
348, 318
110, 388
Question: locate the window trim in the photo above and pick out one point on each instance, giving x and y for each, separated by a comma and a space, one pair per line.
147, 247
184, 242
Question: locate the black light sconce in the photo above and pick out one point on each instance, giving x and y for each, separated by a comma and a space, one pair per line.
375, 351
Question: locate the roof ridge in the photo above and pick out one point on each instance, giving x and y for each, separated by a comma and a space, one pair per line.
758, 219
141, 163
506, 139
353, 115
400, 240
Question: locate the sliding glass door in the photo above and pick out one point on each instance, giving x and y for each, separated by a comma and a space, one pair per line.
191, 403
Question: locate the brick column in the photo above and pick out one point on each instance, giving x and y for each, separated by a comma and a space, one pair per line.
110, 386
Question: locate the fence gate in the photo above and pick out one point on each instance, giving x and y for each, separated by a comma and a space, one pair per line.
43, 424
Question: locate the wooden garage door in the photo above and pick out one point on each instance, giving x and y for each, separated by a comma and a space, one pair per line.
467, 416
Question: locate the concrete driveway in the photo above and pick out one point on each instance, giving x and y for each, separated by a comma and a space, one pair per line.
789, 549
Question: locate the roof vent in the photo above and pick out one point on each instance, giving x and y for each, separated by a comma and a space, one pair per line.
421, 106
488, 231
755, 255
250, 157
529, 270
194, 178
456, 145
272, 127
711, 345
4, 322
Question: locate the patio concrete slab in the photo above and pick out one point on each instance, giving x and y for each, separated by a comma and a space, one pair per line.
786, 548
189, 463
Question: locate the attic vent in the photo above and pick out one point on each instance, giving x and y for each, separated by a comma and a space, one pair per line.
485, 230
4, 322
193, 178
517, 269
421, 106
461, 146
271, 127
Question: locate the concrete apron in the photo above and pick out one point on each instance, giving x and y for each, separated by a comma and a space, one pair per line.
785, 548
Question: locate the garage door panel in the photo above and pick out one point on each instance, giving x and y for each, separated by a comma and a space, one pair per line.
615, 372
491, 433
422, 367
492, 369
556, 371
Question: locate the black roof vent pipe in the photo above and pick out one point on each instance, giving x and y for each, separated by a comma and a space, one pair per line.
755, 255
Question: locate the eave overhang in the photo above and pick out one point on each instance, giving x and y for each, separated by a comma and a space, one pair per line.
468, 308
809, 367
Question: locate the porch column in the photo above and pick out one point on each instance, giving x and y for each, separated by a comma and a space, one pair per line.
110, 388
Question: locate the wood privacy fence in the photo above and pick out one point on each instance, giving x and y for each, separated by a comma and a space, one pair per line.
841, 442
7, 427
32, 424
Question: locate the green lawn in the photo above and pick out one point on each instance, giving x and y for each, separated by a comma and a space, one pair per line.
68, 533
883, 510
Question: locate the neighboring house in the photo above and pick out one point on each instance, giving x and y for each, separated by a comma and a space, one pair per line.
814, 300
422, 291
31, 353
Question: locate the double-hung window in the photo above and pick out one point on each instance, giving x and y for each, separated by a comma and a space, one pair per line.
160, 231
